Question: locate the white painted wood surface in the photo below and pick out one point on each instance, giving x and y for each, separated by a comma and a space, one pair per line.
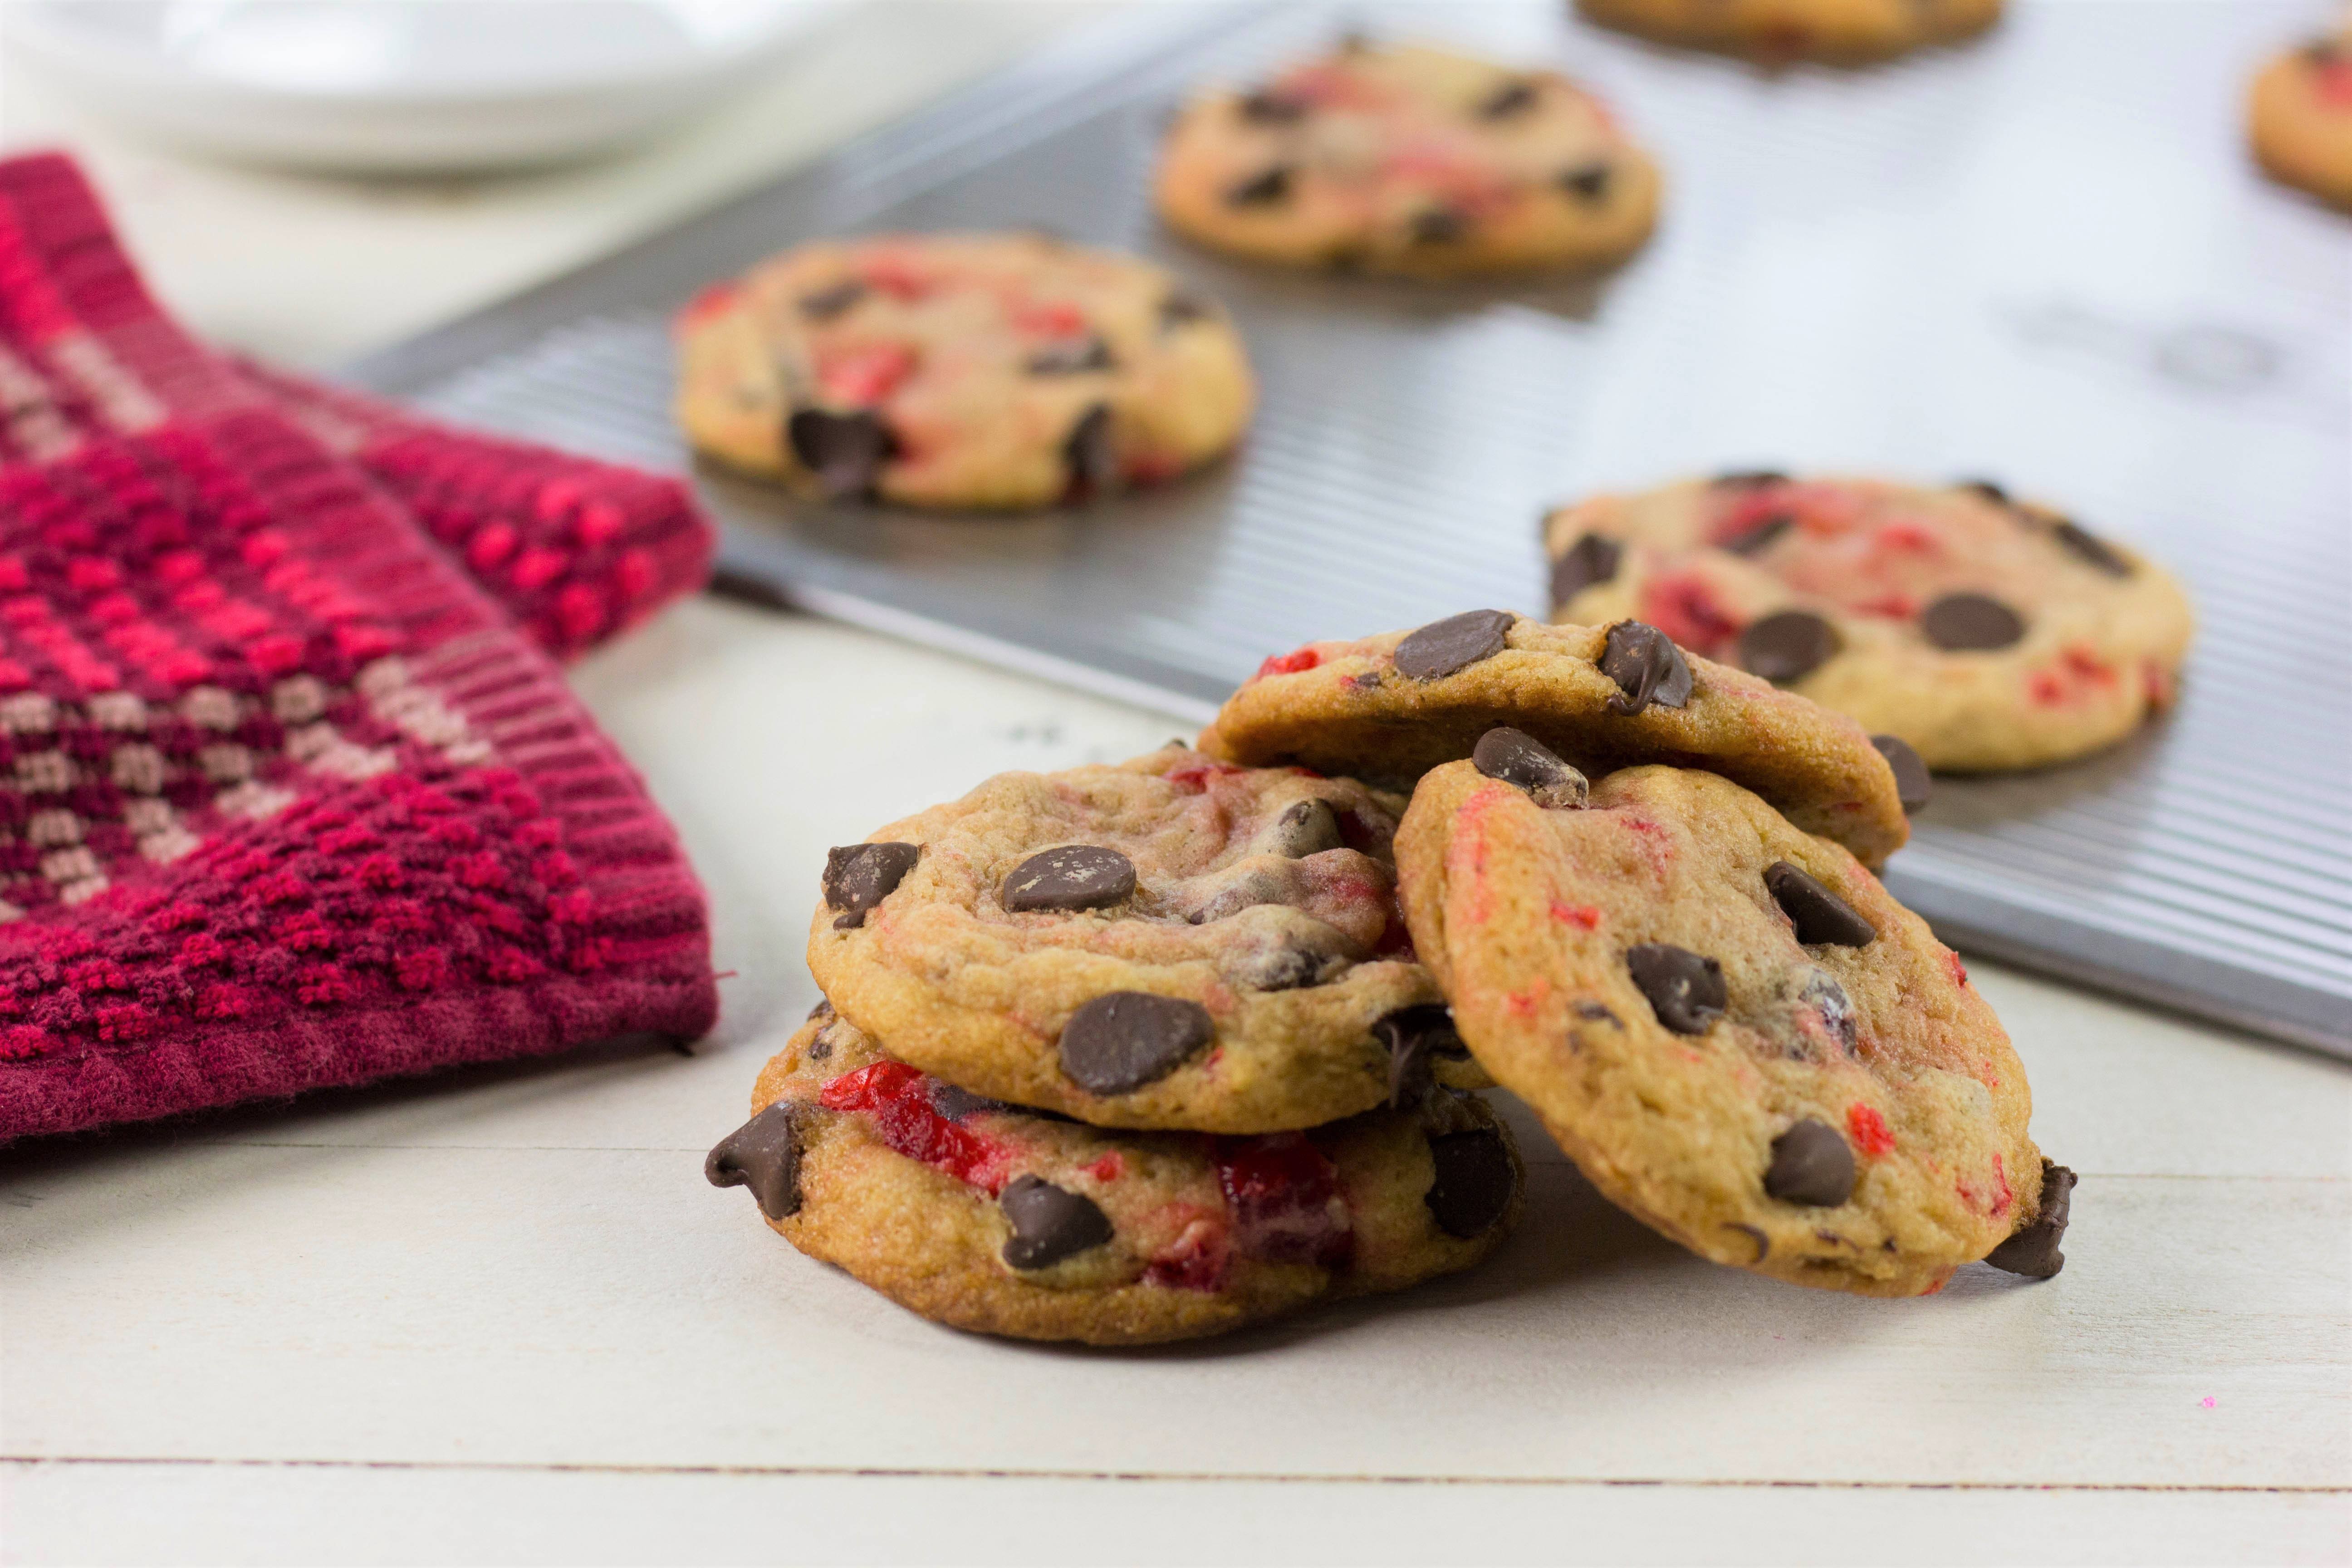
500, 1316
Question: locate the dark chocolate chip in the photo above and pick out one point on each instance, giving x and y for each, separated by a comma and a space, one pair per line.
1825, 1234
955, 1104
1913, 784
859, 875
1822, 918
1049, 1224
827, 303
1415, 1036
1521, 759
823, 1009
1760, 538
764, 1154
1749, 479
1438, 225
1305, 827
1264, 106
1825, 996
1475, 1182
1094, 464
1763, 1243
1511, 98
1587, 182
1647, 667
1074, 877
845, 451
1591, 559
1456, 643
1262, 190
1786, 644
1179, 310
1685, 990
2033, 1251
2089, 548
1810, 1165
1119, 1042
1081, 356
1287, 966
1594, 1012
1987, 488
1971, 623
821, 1048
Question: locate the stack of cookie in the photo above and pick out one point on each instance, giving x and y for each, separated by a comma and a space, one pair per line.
1142, 1052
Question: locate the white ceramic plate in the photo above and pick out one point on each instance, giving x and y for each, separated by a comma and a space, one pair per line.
388, 86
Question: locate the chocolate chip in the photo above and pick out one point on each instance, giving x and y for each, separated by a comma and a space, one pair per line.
823, 1009
1763, 1243
1749, 479
1594, 1012
1587, 182
1438, 225
1285, 965
1985, 488
1511, 98
1305, 827
859, 875
1081, 356
1119, 1042
821, 1048
1971, 623
955, 1104
1094, 465
1074, 876
2033, 1251
1415, 1037
1786, 644
827, 303
764, 1154
1913, 784
1825, 996
1591, 559
1521, 759
1685, 990
1179, 310
1647, 667
2089, 548
1473, 1185
1264, 106
1262, 190
1758, 539
1049, 1224
1810, 1165
1822, 918
1456, 643
845, 451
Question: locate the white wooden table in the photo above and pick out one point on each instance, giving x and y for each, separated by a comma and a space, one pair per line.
500, 1316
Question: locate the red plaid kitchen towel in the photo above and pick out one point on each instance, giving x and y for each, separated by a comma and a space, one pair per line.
287, 798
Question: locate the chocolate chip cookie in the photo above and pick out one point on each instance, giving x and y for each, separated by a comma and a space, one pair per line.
1730, 1027
2299, 118
1775, 32
994, 1218
973, 371
1985, 631
1390, 708
1408, 160
1174, 942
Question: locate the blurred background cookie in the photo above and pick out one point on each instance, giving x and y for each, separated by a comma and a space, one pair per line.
980, 370
1987, 633
1847, 31
2299, 117
1411, 160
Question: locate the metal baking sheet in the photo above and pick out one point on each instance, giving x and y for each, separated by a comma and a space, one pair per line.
2042, 257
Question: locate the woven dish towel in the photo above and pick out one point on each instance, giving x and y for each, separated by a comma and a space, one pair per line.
576, 550
287, 798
